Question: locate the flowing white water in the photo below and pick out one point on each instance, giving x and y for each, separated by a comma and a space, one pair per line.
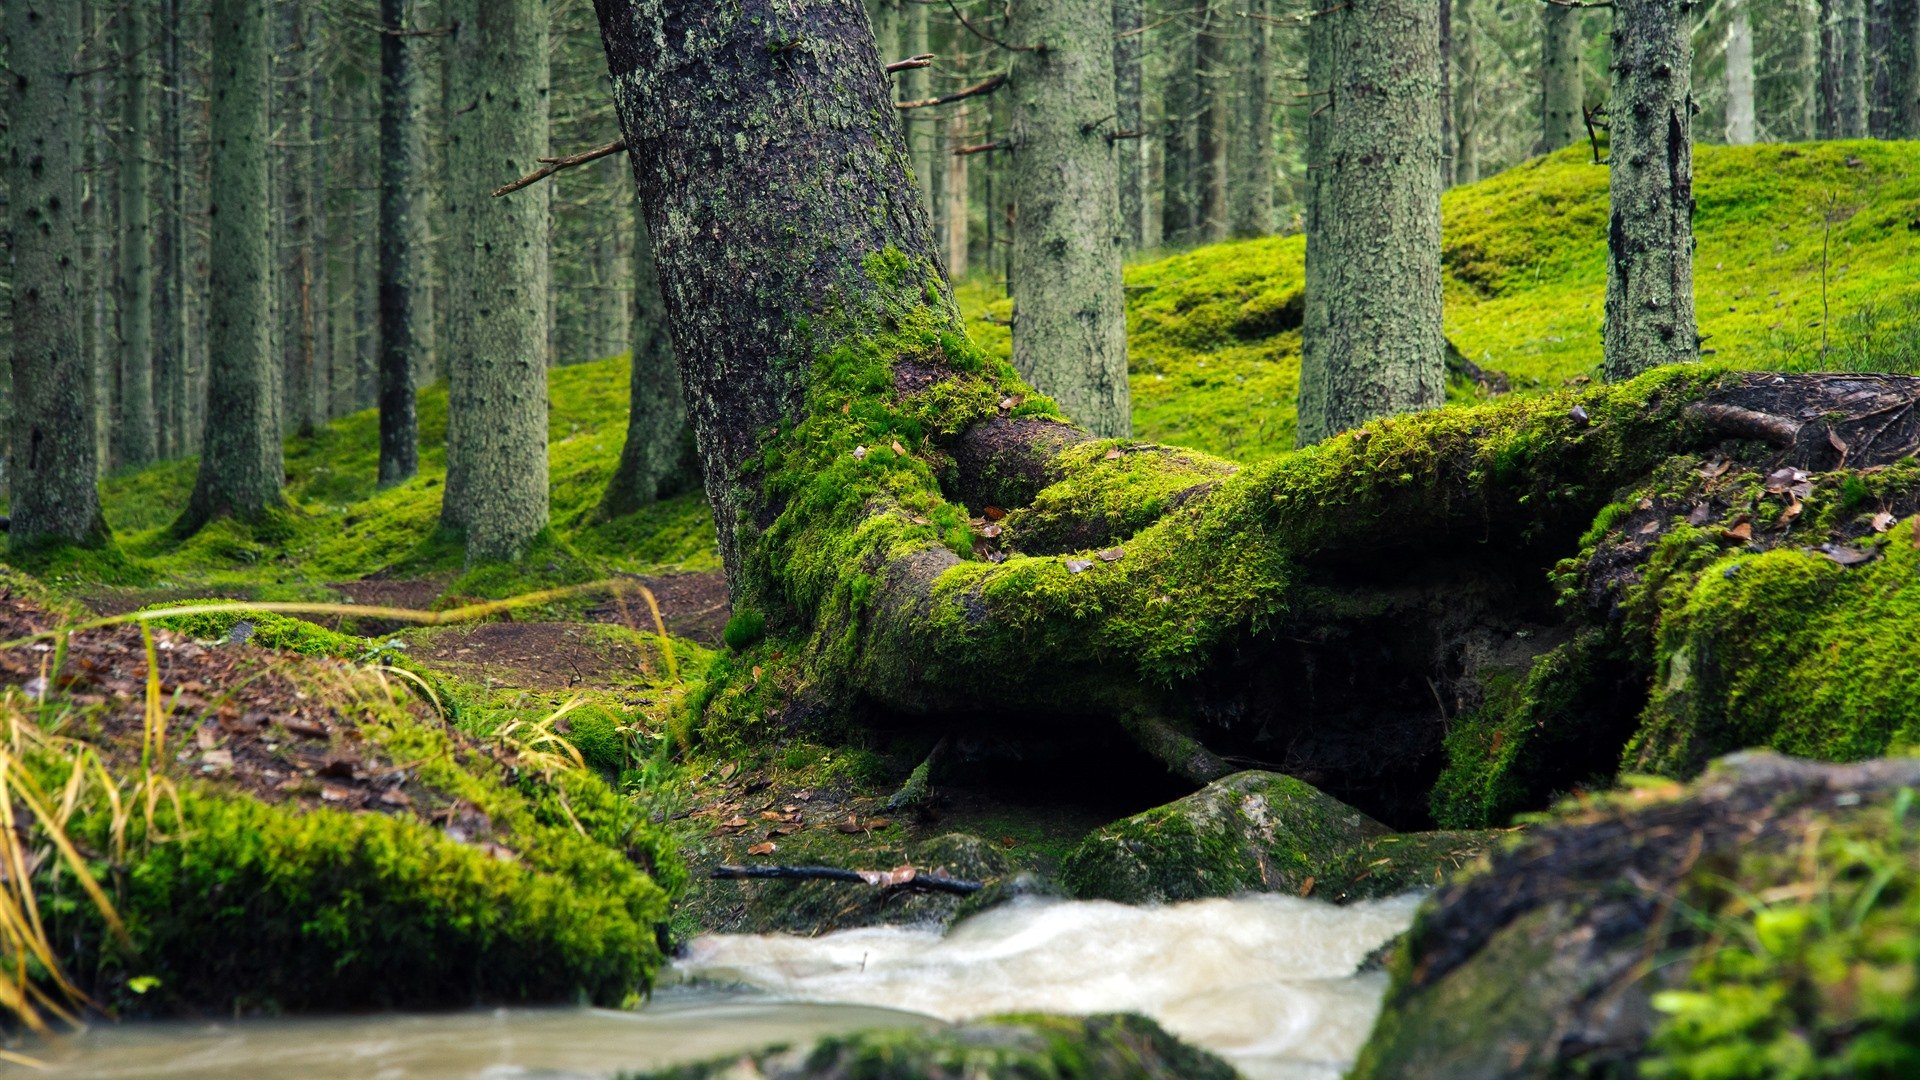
1267, 981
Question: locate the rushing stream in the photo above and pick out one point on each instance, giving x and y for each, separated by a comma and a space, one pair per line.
1267, 981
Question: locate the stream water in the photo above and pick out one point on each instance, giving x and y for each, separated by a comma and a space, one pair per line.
1267, 981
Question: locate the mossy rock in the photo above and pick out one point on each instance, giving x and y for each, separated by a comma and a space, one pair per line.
1764, 921
1258, 832
1029, 1047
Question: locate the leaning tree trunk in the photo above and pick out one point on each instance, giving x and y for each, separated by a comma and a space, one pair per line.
403, 238
497, 373
1372, 343
241, 469
53, 465
1741, 125
1843, 70
1650, 318
1069, 303
1562, 90
135, 439
656, 460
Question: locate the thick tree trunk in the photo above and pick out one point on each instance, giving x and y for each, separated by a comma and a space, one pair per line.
53, 464
497, 386
1563, 92
403, 239
1129, 46
1650, 318
241, 470
1843, 72
1250, 150
1372, 342
1741, 125
1069, 304
658, 459
137, 443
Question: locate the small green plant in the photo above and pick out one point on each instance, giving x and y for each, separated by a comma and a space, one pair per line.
745, 630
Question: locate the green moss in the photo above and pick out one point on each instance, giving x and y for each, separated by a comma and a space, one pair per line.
744, 630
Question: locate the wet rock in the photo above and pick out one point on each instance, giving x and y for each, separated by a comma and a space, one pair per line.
1105, 1047
1670, 927
1259, 832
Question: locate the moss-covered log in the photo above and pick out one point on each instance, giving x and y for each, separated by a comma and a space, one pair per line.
906, 525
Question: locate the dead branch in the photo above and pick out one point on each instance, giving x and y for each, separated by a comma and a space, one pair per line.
1116, 136
431, 31
981, 148
989, 38
1588, 117
899, 878
975, 90
911, 62
549, 166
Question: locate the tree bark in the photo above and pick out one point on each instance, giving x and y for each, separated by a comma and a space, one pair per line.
53, 464
497, 387
1843, 75
1562, 90
1650, 317
1250, 149
1372, 342
1466, 95
1448, 172
241, 470
137, 443
1129, 46
1214, 56
1183, 202
403, 238
1069, 303
169, 248
1741, 125
657, 460
1896, 112
959, 205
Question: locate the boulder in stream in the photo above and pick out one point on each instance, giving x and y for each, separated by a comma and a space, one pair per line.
1260, 832
1764, 921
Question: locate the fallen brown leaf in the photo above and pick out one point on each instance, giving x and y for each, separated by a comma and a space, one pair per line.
767, 847
1883, 521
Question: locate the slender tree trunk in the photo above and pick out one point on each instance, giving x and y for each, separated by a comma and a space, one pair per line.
169, 246
1897, 74
1372, 342
1183, 210
138, 444
497, 404
96, 229
1843, 75
1562, 90
912, 85
1448, 171
241, 470
1466, 95
1741, 126
294, 48
657, 460
1215, 58
1650, 319
1250, 150
403, 239
1129, 45
959, 179
1069, 304
52, 437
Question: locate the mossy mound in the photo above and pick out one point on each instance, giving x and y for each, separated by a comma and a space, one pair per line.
1259, 832
1762, 922
1029, 1047
1214, 340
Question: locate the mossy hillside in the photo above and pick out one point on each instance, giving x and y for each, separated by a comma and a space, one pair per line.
1213, 339
341, 525
1016, 1047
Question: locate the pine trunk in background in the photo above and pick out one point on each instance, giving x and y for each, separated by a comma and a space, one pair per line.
1896, 90
1069, 304
1372, 342
1448, 172
1250, 149
1466, 95
657, 460
241, 470
96, 224
403, 237
295, 52
1129, 44
1650, 319
1182, 203
912, 85
1214, 54
497, 374
1563, 92
692, 102
169, 247
52, 435
1843, 75
1741, 126
135, 432
959, 208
